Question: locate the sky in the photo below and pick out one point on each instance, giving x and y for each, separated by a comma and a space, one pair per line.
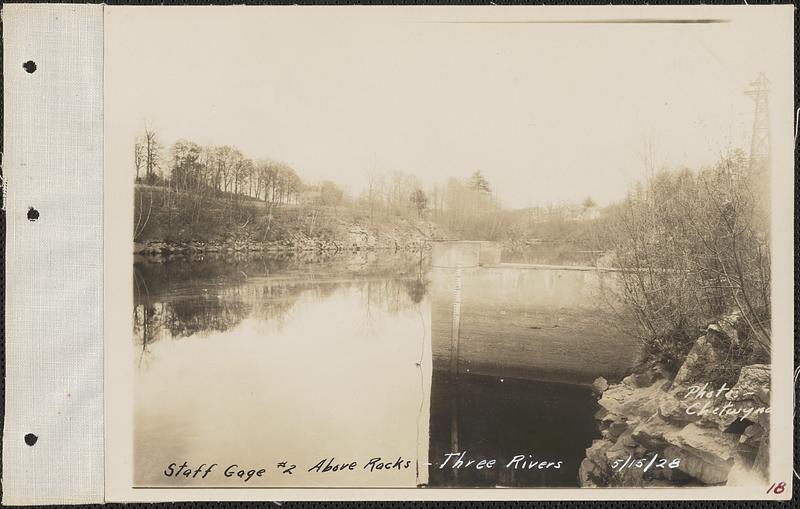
549, 112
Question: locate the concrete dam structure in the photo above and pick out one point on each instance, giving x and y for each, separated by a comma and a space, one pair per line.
537, 322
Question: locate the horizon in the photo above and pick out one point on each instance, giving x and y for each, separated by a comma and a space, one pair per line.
165, 147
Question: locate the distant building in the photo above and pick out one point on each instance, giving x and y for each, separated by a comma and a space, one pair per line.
589, 213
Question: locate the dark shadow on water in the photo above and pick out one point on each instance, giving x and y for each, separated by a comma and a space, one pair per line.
493, 419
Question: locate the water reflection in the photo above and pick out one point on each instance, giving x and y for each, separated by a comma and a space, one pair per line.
530, 323
553, 254
259, 361
180, 297
255, 360
503, 419
514, 349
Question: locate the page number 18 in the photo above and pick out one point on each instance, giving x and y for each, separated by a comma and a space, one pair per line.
777, 488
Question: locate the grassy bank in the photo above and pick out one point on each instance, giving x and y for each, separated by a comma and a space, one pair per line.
169, 218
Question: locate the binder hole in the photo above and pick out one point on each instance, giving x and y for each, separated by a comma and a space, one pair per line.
31, 439
33, 214
29, 66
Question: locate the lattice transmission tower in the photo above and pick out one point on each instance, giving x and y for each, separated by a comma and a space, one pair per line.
761, 142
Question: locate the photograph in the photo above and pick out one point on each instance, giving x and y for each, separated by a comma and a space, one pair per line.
363, 253
443, 248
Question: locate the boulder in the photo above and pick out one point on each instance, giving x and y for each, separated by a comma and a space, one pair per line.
650, 433
673, 409
706, 454
751, 434
630, 381
599, 385
726, 326
594, 470
597, 451
617, 428
633, 402
704, 353
645, 378
729, 412
591, 475
693, 465
626, 439
754, 380
710, 444
607, 417
675, 475
621, 449
647, 413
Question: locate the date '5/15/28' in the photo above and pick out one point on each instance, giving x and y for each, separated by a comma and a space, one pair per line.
645, 463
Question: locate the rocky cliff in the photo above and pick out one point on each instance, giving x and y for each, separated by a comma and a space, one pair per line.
348, 237
663, 430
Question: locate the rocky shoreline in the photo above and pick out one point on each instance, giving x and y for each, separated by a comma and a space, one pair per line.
700, 432
356, 240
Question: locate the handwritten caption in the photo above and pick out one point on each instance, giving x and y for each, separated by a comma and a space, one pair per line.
246, 473
456, 461
644, 464
705, 401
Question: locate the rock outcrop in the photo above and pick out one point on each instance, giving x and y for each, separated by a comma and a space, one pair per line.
659, 430
346, 238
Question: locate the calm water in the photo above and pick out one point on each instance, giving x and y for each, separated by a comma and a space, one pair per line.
550, 253
259, 360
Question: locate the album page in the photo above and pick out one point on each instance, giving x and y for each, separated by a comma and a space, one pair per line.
417, 253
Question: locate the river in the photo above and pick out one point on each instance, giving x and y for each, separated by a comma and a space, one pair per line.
256, 360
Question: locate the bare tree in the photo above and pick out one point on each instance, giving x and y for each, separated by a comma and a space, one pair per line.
152, 154
374, 193
420, 201
138, 156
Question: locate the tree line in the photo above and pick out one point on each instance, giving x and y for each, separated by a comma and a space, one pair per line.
468, 206
218, 170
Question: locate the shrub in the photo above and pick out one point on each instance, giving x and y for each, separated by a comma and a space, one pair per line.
693, 246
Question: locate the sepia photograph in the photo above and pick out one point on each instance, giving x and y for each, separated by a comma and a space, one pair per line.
444, 248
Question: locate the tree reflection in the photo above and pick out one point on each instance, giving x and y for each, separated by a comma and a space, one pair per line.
200, 315
179, 298
417, 289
